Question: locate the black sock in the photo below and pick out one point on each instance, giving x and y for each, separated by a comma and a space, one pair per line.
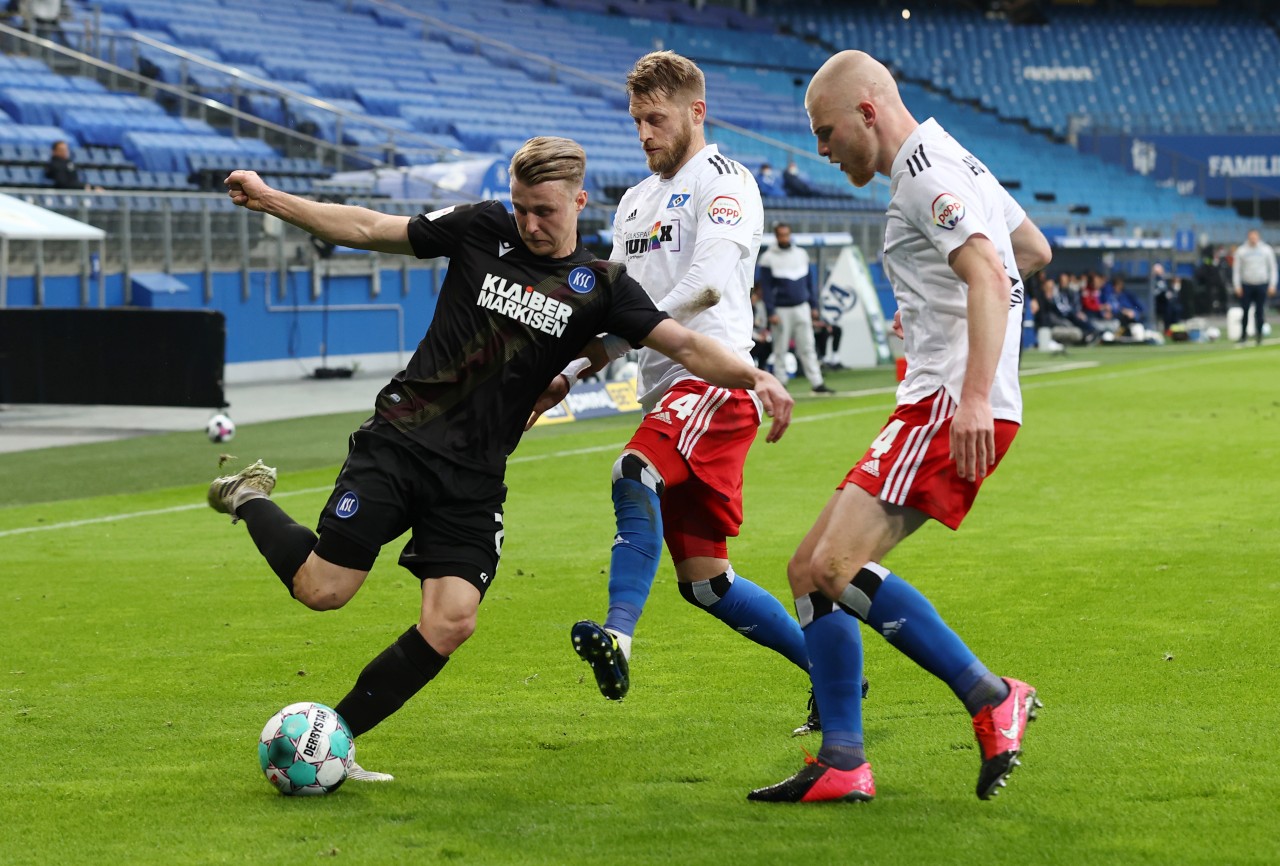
843, 757
396, 675
282, 541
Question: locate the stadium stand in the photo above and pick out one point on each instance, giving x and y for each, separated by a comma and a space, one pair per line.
423, 79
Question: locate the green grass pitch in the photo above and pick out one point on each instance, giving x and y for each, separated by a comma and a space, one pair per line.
1123, 560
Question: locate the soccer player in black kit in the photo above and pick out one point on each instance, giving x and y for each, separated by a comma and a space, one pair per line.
521, 299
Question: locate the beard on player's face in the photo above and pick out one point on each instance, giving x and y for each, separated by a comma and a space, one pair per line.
674, 152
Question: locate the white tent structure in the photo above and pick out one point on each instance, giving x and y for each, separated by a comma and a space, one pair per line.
22, 221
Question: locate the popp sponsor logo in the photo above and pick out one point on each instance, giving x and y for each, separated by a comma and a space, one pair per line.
725, 211
947, 211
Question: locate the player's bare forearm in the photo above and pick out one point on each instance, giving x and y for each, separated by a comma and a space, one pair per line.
344, 225
987, 312
1031, 250
706, 281
551, 397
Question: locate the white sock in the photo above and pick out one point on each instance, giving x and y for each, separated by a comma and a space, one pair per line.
624, 643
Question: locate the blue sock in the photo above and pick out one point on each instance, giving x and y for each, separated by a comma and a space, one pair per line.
633, 562
751, 612
835, 651
909, 622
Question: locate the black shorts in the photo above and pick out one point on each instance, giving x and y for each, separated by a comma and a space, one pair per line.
388, 487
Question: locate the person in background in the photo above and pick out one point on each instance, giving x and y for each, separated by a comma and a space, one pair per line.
769, 182
1167, 293
761, 339
795, 183
1120, 305
1253, 276
791, 299
62, 171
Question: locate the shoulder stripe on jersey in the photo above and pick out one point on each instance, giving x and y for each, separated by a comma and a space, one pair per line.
715, 165
918, 162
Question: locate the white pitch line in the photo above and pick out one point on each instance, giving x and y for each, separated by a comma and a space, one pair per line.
1057, 368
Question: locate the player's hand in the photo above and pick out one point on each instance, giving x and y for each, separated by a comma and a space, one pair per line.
775, 319
973, 439
246, 189
556, 391
897, 325
1240, 293
777, 403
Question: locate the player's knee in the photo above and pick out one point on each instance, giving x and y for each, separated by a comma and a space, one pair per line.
798, 574
635, 468
319, 595
446, 630
829, 572
319, 590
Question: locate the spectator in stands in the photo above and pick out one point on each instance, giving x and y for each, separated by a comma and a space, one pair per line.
1212, 280
794, 183
1051, 326
1066, 305
1167, 297
43, 17
791, 297
1091, 301
62, 171
1253, 276
769, 182
1119, 304
826, 338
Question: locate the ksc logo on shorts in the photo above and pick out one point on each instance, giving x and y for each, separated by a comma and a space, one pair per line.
947, 211
582, 280
725, 211
347, 505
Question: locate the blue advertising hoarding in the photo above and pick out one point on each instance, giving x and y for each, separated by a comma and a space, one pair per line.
1212, 166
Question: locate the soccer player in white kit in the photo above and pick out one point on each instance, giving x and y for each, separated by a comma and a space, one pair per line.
956, 250
689, 233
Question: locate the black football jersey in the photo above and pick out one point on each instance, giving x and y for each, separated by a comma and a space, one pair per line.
506, 323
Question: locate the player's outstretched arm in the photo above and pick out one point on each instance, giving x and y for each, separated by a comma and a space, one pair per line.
340, 224
706, 281
706, 358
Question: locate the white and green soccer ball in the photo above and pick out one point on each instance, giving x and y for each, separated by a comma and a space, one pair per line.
306, 749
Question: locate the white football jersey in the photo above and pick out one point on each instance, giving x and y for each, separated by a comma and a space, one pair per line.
940, 196
656, 233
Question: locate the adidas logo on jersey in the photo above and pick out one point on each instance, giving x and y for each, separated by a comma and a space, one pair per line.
872, 467
522, 303
663, 416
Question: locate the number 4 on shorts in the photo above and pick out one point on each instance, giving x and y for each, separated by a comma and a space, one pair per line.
884, 441
683, 407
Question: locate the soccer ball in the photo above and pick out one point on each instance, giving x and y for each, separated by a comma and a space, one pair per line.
306, 749
221, 428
